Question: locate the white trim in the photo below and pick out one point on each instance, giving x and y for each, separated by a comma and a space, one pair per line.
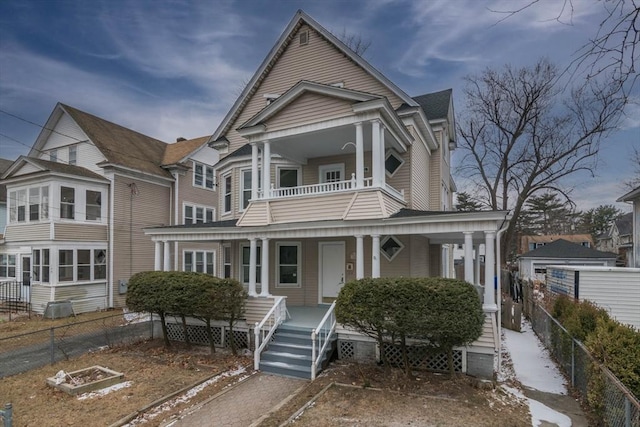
323, 169
204, 259
392, 152
320, 261
194, 217
298, 283
223, 194
298, 169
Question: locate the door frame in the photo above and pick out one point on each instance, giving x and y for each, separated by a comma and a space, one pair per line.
320, 264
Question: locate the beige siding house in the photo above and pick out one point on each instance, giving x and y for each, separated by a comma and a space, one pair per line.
329, 172
78, 204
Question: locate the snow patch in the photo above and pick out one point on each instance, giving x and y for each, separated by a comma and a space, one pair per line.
104, 391
539, 411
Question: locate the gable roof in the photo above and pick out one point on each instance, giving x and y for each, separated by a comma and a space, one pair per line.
625, 224
564, 249
55, 167
178, 152
120, 146
630, 196
299, 19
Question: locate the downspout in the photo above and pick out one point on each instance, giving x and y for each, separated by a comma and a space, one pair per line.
499, 292
176, 211
112, 199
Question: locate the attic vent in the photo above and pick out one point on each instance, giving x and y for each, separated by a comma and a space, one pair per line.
270, 97
337, 84
304, 38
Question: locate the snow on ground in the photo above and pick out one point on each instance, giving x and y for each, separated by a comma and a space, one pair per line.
104, 391
534, 369
531, 361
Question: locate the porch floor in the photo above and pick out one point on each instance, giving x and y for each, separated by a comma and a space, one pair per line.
307, 316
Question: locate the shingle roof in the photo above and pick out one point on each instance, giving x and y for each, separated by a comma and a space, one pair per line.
407, 213
121, 146
435, 105
64, 168
625, 224
214, 224
177, 151
563, 249
245, 150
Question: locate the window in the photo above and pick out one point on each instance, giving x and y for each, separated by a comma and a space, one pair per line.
65, 265
226, 261
84, 264
80, 264
288, 264
203, 176
331, 173
99, 264
41, 265
392, 162
94, 205
245, 195
288, 177
30, 204
53, 155
227, 194
390, 247
67, 203
246, 250
7, 265
199, 261
73, 154
198, 214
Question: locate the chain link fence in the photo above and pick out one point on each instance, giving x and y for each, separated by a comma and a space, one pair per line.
609, 399
23, 352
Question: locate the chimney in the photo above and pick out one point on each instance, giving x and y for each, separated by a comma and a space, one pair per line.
180, 139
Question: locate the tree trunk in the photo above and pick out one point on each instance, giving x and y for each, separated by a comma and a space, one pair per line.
165, 334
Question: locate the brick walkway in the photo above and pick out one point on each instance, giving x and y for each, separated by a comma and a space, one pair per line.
243, 404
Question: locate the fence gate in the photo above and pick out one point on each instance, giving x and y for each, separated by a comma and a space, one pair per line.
511, 314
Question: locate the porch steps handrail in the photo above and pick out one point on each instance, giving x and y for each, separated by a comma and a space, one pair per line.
274, 318
322, 334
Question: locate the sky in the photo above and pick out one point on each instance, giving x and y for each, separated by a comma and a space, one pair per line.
173, 68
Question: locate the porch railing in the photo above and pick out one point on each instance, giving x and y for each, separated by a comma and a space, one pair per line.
267, 327
315, 189
320, 338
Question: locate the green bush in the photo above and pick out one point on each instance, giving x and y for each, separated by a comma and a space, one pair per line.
579, 318
442, 313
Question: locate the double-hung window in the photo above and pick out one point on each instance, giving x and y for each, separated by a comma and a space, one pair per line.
246, 252
288, 264
245, 195
30, 204
67, 202
7, 266
199, 261
227, 194
79, 264
73, 154
203, 176
93, 205
41, 265
194, 214
226, 261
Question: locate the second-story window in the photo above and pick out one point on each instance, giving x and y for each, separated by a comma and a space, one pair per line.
30, 204
73, 154
94, 205
227, 194
67, 202
198, 214
203, 176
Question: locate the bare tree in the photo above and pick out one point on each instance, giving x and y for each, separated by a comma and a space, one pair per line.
355, 42
634, 181
521, 135
613, 51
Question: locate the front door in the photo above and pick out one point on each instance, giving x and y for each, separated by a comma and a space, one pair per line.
331, 274
26, 277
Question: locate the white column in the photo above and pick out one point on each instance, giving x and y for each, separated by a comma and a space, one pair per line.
375, 153
254, 171
167, 256
359, 257
383, 173
359, 156
253, 247
375, 256
157, 264
476, 275
264, 291
266, 169
468, 256
489, 272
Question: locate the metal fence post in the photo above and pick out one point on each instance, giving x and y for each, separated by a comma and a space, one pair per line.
51, 346
627, 412
573, 362
7, 415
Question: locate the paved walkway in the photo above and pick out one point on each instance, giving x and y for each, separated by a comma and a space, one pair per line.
243, 404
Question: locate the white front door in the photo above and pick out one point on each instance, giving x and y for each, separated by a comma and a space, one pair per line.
331, 274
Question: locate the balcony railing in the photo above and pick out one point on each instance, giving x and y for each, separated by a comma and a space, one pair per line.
325, 188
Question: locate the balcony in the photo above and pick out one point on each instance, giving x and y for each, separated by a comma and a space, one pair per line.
326, 188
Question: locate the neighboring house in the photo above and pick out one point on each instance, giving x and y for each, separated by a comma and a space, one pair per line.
4, 165
633, 255
531, 242
79, 201
533, 264
618, 239
329, 172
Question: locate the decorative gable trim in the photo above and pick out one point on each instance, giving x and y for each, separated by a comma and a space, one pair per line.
285, 38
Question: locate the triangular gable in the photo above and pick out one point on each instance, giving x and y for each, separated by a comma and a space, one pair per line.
308, 108
22, 166
60, 130
308, 91
333, 51
30, 165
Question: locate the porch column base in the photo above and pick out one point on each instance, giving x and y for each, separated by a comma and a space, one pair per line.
489, 308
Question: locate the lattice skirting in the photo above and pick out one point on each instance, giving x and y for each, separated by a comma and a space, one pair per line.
198, 335
418, 356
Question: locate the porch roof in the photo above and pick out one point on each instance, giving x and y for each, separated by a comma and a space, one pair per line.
440, 227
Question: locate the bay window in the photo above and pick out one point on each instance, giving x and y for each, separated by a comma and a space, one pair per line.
67, 202
41, 265
81, 264
29, 204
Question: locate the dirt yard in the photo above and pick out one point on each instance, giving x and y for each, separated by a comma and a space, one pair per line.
346, 394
